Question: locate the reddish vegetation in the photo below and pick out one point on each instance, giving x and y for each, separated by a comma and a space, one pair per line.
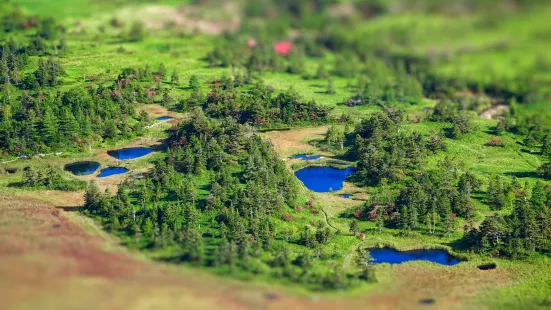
495, 141
283, 48
287, 217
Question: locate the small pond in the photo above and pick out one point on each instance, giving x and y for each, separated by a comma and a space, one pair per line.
306, 157
112, 171
346, 196
323, 179
82, 167
392, 256
164, 118
130, 153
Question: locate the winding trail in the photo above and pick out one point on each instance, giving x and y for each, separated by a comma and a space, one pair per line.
327, 220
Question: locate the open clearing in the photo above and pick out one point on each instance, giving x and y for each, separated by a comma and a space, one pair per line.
290, 142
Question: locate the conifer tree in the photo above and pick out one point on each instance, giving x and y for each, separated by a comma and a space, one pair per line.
174, 78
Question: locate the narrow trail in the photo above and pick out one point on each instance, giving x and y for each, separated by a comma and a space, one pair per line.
327, 220
348, 257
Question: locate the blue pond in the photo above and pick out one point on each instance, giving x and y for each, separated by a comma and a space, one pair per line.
323, 179
306, 157
130, 153
164, 118
82, 168
111, 171
392, 256
346, 196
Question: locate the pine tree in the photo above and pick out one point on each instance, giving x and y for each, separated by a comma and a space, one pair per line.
546, 146
166, 98
321, 72
68, 124
137, 32
174, 79
4, 70
48, 126
330, 90
161, 71
449, 224
404, 220
495, 193
194, 82
379, 219
42, 73
539, 195
92, 198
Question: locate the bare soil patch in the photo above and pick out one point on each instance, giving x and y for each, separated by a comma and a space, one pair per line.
188, 18
494, 110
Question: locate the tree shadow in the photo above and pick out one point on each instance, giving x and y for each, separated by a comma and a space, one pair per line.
531, 152
523, 174
70, 209
317, 85
459, 244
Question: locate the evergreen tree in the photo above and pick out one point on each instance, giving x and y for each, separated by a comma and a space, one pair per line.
330, 90
137, 32
92, 198
194, 82
161, 71
174, 79
48, 126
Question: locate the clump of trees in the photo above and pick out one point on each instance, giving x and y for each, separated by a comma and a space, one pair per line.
525, 231
384, 152
49, 178
42, 121
242, 219
449, 112
431, 202
255, 103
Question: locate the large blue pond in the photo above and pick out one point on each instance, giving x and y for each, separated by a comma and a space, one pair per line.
82, 168
112, 171
130, 153
164, 118
306, 157
392, 256
323, 179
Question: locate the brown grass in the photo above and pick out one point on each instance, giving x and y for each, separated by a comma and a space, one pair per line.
290, 142
52, 259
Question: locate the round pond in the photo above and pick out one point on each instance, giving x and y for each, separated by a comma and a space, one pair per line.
323, 179
82, 167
